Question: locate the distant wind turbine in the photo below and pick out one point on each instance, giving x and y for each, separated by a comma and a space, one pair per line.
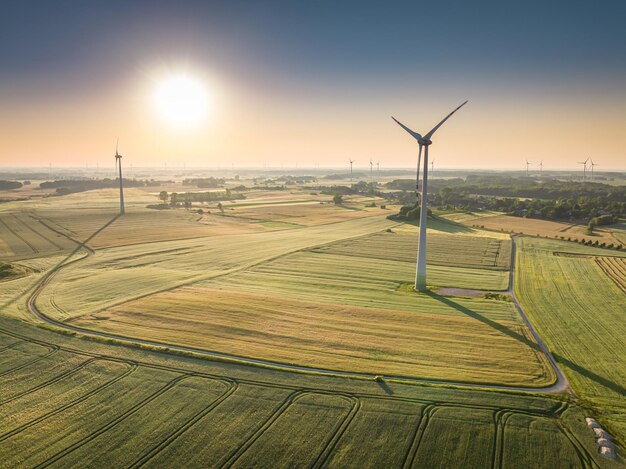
584, 163
592, 165
378, 169
527, 165
541, 167
351, 161
432, 167
371, 170
425, 141
118, 163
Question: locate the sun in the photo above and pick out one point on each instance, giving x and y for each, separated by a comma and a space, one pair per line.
181, 100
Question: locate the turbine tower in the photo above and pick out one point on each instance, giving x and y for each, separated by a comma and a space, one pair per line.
432, 167
541, 167
592, 165
371, 171
378, 169
425, 141
118, 163
527, 165
584, 163
351, 161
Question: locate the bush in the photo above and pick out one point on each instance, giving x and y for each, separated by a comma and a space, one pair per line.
337, 198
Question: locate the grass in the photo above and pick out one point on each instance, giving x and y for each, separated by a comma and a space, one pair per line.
118, 406
579, 313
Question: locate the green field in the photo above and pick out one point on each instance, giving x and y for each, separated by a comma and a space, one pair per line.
579, 311
330, 290
122, 407
331, 296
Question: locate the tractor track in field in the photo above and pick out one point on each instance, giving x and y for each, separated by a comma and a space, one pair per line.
231, 387
51, 381
500, 418
69, 404
52, 351
338, 432
559, 386
34, 231
269, 421
418, 434
120, 418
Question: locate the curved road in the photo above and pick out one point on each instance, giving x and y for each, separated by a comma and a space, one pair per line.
561, 384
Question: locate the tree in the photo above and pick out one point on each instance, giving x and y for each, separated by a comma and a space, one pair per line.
337, 199
163, 195
220, 207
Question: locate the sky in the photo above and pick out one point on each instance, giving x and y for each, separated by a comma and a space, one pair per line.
289, 83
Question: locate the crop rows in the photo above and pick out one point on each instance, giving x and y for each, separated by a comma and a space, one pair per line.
614, 268
443, 249
24, 237
139, 414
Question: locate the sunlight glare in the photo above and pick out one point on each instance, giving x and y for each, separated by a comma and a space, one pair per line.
181, 100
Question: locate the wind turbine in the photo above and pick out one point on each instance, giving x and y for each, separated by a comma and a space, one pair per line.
584, 163
371, 170
378, 169
351, 161
541, 167
432, 167
527, 165
592, 165
425, 141
118, 163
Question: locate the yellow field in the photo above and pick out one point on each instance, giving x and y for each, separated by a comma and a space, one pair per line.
430, 345
536, 227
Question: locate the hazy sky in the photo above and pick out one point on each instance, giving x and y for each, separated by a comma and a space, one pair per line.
307, 83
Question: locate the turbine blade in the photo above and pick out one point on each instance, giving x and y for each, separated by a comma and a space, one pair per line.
415, 135
430, 134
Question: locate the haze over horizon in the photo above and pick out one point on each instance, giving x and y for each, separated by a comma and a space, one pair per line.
292, 83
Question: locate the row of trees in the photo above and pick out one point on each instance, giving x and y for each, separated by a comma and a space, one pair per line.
186, 199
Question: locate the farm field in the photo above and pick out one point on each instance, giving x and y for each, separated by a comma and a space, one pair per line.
321, 296
121, 406
330, 295
536, 227
435, 343
579, 311
22, 236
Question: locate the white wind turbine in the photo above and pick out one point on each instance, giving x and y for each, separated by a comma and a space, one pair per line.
592, 165
351, 161
425, 141
527, 165
371, 171
118, 163
584, 163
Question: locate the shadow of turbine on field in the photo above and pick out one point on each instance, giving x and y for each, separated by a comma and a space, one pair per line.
80, 245
515, 335
601, 380
490, 322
